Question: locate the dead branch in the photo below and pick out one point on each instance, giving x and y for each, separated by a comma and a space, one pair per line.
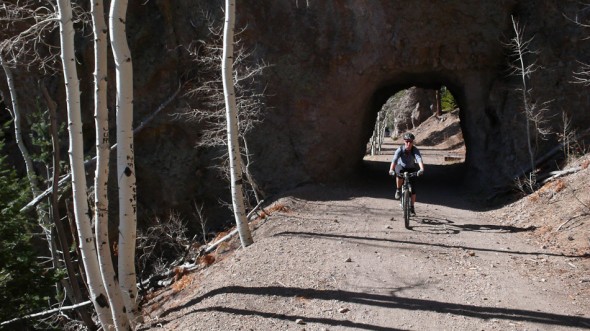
92, 161
547, 156
167, 277
47, 312
559, 173
569, 220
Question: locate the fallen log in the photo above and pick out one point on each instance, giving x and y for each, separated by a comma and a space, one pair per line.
559, 173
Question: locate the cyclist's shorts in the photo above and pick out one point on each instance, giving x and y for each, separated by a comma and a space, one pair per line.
399, 169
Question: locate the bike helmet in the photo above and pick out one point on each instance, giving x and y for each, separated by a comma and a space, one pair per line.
409, 136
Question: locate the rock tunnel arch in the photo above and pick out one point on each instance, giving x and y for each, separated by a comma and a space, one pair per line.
340, 71
330, 101
325, 138
431, 83
333, 61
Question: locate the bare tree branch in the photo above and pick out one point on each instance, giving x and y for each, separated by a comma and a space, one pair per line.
92, 161
27, 28
47, 312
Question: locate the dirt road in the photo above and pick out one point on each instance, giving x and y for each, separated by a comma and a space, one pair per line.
338, 258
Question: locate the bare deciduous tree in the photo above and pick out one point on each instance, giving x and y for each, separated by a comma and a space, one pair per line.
81, 209
235, 158
534, 112
101, 175
24, 23
28, 47
207, 87
376, 140
125, 159
582, 75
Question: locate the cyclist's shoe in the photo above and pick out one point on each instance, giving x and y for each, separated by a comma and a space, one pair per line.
412, 211
398, 194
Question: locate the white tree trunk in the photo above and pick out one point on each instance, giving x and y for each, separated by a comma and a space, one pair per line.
235, 160
125, 158
76, 152
17, 129
520, 47
101, 177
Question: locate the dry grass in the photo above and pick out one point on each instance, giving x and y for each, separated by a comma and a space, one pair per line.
183, 281
207, 260
548, 190
560, 211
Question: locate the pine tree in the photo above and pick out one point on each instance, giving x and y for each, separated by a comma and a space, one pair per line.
25, 285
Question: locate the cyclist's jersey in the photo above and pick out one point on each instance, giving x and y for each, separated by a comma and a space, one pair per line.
408, 159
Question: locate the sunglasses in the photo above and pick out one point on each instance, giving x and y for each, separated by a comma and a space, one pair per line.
409, 141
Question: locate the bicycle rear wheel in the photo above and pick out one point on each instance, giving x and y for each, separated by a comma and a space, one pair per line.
406, 208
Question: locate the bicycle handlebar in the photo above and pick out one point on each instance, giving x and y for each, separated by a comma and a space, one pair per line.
409, 174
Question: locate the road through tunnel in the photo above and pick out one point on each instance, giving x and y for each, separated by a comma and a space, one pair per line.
432, 113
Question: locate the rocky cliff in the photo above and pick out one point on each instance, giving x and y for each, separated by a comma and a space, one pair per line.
332, 66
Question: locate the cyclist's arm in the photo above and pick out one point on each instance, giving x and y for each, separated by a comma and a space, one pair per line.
418, 157
394, 160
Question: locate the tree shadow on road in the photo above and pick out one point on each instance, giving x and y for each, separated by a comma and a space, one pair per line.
435, 225
377, 300
420, 243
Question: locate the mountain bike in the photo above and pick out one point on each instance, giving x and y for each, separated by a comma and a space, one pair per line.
406, 197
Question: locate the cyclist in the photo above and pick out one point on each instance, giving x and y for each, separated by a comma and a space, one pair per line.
407, 158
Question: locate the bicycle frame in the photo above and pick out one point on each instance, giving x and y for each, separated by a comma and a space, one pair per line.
406, 196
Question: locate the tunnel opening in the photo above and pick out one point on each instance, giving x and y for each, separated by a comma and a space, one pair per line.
432, 112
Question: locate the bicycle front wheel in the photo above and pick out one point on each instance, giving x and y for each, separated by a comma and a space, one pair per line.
406, 208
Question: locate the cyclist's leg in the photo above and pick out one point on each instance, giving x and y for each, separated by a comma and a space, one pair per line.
413, 200
399, 181
412, 179
414, 192
413, 182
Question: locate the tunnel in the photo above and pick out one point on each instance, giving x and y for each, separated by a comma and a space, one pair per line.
331, 66
427, 109
438, 137
330, 78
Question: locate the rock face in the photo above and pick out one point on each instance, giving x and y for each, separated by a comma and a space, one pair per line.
333, 65
410, 108
337, 62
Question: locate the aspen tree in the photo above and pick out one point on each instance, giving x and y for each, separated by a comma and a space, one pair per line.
520, 48
76, 154
233, 146
534, 110
101, 212
21, 47
17, 129
125, 158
